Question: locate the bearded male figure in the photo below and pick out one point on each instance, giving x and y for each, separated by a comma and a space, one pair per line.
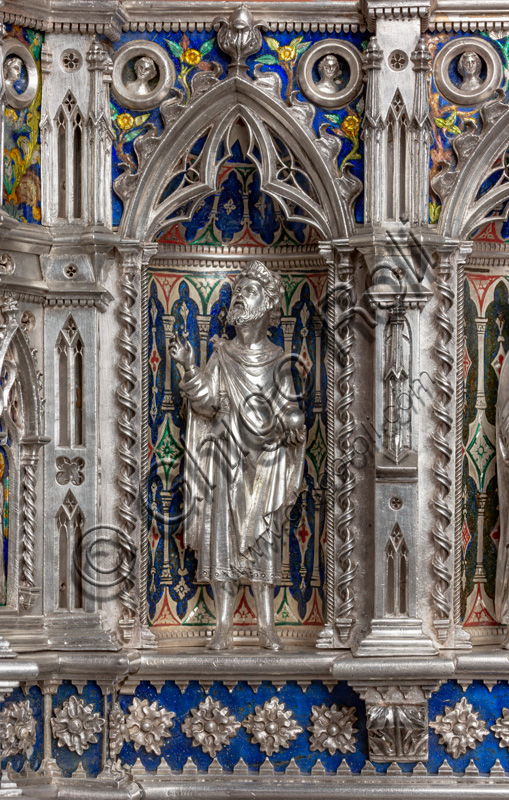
245, 445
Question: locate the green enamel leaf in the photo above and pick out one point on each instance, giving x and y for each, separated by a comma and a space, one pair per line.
132, 134
174, 47
140, 120
267, 59
454, 129
207, 47
296, 41
301, 47
440, 122
335, 118
273, 43
451, 119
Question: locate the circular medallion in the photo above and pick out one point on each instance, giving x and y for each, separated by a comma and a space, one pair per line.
21, 79
330, 73
143, 75
467, 71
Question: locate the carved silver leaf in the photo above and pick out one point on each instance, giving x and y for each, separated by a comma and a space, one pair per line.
17, 728
76, 725
459, 728
210, 726
272, 726
148, 724
239, 35
397, 732
501, 728
117, 729
333, 729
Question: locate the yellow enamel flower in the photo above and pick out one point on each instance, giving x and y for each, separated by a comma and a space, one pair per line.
351, 125
125, 121
191, 56
11, 115
287, 53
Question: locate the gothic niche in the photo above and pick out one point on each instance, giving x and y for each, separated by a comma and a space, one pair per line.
202, 246
20, 440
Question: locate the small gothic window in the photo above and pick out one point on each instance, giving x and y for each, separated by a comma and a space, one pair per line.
69, 126
70, 353
70, 526
396, 159
396, 559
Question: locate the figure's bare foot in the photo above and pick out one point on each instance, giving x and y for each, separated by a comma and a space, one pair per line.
222, 639
269, 640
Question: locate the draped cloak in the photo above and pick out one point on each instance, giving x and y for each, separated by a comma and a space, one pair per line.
240, 481
502, 433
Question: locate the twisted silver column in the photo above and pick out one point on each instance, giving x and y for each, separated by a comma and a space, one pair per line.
128, 439
345, 396
441, 466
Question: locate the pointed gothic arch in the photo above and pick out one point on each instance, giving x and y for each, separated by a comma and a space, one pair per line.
481, 160
210, 115
21, 420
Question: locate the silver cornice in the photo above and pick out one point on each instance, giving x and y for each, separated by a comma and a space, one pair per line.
399, 790
198, 14
456, 15
132, 666
111, 16
67, 16
84, 295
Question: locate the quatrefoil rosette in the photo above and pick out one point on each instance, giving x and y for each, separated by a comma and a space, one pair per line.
76, 725
210, 726
272, 726
460, 728
17, 728
148, 724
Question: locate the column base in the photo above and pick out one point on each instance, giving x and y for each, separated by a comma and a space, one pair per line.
396, 637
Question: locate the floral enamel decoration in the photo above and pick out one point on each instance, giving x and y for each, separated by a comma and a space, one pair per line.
333, 729
210, 726
348, 128
272, 727
286, 56
76, 725
190, 58
22, 183
148, 724
17, 728
460, 728
127, 128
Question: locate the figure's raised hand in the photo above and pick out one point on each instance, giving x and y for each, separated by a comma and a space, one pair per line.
181, 350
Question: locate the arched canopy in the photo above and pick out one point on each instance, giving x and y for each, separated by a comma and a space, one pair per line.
267, 119
466, 206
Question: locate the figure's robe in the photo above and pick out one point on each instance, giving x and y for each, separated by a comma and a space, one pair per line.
502, 428
240, 481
